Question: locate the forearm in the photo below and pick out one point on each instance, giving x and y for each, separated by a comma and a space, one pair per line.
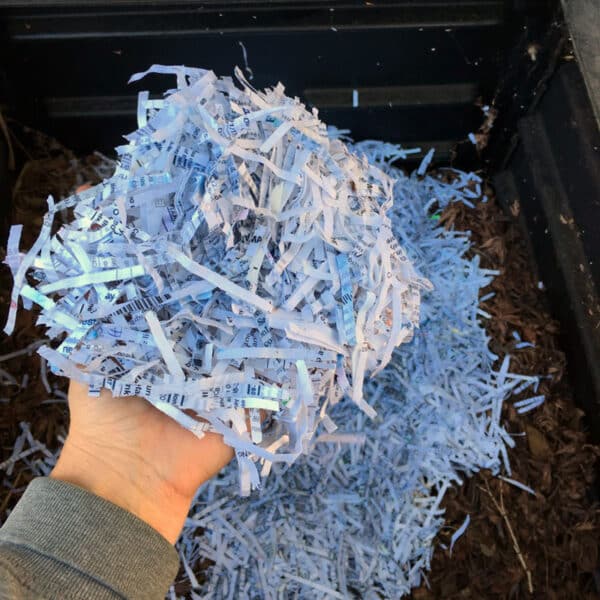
103, 524
61, 541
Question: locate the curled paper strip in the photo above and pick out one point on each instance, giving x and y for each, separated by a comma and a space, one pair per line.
237, 259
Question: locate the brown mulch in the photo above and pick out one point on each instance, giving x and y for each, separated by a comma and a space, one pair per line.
556, 532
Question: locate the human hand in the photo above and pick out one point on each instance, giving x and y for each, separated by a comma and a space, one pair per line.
130, 453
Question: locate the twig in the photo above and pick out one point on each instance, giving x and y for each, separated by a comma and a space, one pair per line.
10, 493
500, 508
19, 181
27, 350
11, 152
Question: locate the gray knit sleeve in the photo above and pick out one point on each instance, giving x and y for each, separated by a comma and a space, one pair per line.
62, 541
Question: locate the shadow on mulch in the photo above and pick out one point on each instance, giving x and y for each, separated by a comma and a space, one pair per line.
515, 541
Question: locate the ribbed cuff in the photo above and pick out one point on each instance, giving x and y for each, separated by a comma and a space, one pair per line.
93, 536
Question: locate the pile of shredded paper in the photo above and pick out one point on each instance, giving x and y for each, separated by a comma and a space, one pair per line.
237, 260
242, 257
